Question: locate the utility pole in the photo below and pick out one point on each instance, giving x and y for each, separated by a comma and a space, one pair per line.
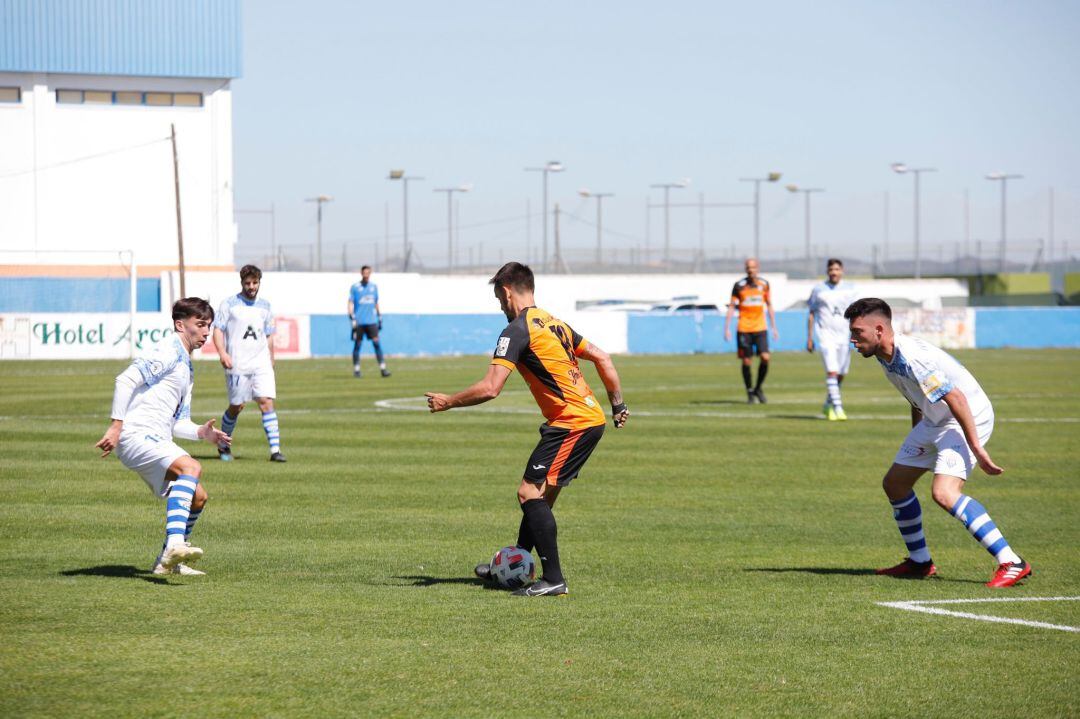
319, 202
771, 177
179, 224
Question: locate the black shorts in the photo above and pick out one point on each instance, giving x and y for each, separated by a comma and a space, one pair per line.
753, 343
561, 453
372, 332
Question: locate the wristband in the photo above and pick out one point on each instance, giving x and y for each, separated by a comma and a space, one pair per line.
618, 408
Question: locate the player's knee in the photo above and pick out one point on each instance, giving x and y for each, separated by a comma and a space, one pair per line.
189, 466
944, 496
528, 491
764, 356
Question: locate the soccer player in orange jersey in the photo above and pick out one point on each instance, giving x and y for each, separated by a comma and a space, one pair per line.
751, 295
546, 351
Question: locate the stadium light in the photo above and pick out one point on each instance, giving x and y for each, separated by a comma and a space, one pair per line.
405, 179
770, 177
901, 168
1003, 178
319, 202
667, 186
807, 191
450, 220
551, 166
585, 192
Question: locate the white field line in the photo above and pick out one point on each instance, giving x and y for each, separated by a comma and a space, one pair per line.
419, 404
923, 606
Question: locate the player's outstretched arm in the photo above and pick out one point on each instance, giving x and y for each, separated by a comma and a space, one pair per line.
961, 410
610, 377
486, 389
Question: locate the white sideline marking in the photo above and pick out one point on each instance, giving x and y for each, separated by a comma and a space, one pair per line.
922, 606
419, 404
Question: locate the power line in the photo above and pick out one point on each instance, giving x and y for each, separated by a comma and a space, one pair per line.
84, 158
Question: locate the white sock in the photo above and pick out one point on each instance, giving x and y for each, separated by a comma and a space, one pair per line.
832, 384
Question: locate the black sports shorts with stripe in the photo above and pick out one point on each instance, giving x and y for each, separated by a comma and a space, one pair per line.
561, 453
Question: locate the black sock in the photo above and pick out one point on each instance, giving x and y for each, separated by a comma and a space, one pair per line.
525, 536
762, 370
746, 376
542, 525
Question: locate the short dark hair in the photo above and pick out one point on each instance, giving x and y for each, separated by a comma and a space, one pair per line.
365, 267
833, 261
868, 306
192, 307
515, 275
250, 271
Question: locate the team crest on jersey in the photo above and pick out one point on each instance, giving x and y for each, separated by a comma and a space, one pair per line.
504, 345
538, 322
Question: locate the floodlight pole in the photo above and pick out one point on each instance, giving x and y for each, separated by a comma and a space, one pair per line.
179, 224
551, 166
771, 177
666, 187
1003, 178
807, 191
450, 221
599, 220
319, 202
406, 248
900, 168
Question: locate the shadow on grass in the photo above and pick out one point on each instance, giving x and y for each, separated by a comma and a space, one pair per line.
426, 580
120, 571
847, 571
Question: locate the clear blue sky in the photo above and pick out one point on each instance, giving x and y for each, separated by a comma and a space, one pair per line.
626, 94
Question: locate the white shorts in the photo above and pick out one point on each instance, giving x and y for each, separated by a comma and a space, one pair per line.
836, 357
150, 456
246, 387
942, 449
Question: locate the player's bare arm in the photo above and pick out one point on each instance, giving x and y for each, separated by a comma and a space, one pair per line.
483, 391
111, 438
727, 319
270, 347
960, 409
223, 354
610, 377
210, 434
809, 331
772, 319
351, 310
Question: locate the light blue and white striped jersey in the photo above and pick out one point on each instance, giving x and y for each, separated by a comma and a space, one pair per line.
247, 325
924, 374
827, 303
364, 298
165, 395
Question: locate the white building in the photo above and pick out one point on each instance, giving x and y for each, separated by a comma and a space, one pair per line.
89, 91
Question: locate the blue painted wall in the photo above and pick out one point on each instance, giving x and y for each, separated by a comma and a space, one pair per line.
163, 38
1027, 327
697, 332
411, 334
77, 294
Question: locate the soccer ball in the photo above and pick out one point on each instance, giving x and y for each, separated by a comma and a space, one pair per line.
513, 567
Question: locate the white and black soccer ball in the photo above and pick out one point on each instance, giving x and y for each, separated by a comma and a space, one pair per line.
513, 567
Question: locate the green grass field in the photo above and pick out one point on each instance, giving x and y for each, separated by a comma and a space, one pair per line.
719, 556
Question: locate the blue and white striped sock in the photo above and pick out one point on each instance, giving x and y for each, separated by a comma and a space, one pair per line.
978, 522
192, 518
273, 434
908, 515
228, 424
178, 508
832, 385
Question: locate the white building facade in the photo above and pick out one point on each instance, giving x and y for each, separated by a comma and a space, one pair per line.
89, 93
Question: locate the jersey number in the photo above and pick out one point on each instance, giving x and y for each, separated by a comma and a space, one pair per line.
565, 341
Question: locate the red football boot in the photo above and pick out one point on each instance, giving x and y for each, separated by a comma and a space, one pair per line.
909, 569
1010, 573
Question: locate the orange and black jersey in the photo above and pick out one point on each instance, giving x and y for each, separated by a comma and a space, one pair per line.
545, 350
751, 299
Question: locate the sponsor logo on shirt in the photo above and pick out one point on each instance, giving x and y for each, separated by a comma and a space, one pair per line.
504, 345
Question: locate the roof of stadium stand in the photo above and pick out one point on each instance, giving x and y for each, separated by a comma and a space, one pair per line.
155, 38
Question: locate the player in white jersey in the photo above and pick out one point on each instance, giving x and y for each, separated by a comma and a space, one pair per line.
151, 404
952, 420
827, 303
244, 337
